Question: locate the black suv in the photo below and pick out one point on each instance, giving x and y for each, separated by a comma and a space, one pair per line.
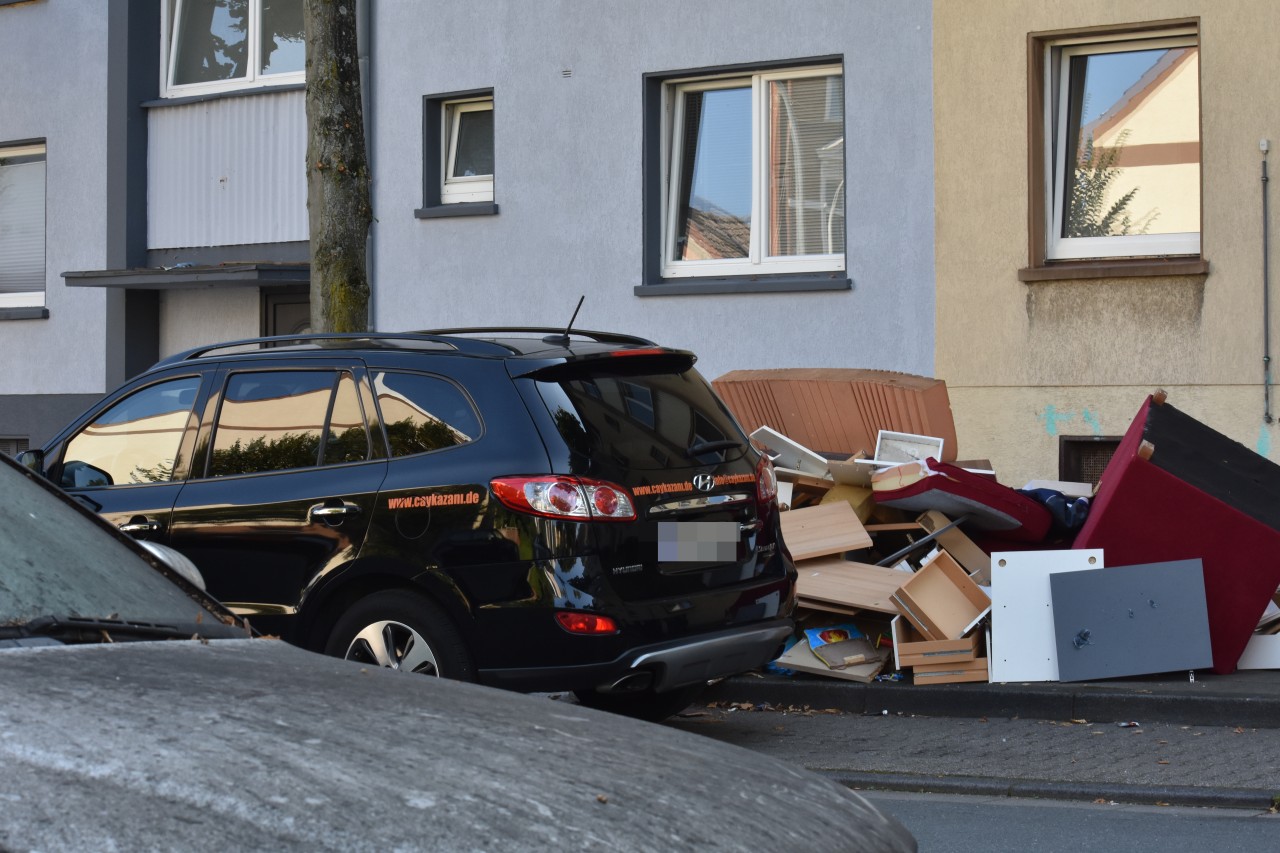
521, 507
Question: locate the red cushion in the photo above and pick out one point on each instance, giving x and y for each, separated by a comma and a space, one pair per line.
954, 491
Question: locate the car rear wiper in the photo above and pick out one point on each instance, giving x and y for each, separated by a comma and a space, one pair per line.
75, 629
708, 446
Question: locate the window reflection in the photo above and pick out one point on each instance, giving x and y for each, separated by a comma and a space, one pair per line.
423, 413
347, 440
715, 192
270, 421
806, 166
1133, 127
134, 441
211, 40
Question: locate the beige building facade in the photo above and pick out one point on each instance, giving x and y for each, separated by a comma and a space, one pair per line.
1060, 305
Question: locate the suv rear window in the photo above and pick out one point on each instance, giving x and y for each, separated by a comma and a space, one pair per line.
642, 420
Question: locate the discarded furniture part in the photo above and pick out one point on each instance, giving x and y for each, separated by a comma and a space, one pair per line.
940, 600
1199, 494
952, 539
1130, 620
898, 447
802, 659
911, 648
854, 471
954, 491
788, 454
1023, 644
951, 673
818, 531
839, 410
1261, 652
836, 582
858, 497
805, 490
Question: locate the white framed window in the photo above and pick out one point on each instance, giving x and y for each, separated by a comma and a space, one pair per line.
1122, 139
22, 226
754, 175
226, 45
467, 151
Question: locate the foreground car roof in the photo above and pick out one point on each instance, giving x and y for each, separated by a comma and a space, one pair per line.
257, 744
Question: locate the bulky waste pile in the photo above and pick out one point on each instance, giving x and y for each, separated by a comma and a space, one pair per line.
915, 565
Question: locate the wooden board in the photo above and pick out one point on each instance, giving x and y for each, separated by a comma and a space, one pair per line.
818, 531
848, 584
954, 542
802, 659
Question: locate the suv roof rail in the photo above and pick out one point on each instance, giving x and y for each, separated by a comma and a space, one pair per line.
601, 337
461, 344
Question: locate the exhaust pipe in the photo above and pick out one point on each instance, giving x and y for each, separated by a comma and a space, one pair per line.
632, 682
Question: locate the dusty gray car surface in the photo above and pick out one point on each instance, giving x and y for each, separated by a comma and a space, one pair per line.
136, 714
254, 744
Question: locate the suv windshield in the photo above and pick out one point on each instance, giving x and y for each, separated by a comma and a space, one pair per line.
54, 560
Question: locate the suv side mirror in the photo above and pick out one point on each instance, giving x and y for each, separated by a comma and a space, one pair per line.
33, 459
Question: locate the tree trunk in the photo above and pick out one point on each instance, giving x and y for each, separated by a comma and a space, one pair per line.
338, 207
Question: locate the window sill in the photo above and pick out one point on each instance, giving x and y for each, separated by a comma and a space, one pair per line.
1074, 270
24, 313
746, 284
249, 91
462, 208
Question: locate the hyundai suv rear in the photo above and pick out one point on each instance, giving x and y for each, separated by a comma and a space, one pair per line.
521, 507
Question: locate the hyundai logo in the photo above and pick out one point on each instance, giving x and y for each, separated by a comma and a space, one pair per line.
704, 482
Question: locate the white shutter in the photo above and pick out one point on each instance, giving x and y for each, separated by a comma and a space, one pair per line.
21, 223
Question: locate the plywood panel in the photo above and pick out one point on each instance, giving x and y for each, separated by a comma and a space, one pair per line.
848, 584
823, 530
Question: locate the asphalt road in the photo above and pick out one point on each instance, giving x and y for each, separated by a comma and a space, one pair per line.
942, 823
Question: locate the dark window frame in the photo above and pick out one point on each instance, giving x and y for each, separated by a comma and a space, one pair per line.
433, 141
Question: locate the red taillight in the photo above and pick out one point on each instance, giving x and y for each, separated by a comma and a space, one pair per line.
565, 497
586, 623
766, 481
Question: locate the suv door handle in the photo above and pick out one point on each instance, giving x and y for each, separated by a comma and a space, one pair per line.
333, 513
140, 524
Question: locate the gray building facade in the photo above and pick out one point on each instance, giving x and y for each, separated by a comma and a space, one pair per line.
749, 179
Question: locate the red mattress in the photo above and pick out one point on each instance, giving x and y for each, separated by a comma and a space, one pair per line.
955, 492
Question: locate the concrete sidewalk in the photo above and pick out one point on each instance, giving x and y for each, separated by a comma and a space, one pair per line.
1214, 741
1245, 698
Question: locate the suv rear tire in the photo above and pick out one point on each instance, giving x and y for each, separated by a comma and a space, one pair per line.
643, 705
401, 630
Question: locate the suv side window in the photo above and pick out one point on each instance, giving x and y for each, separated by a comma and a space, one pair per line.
276, 420
424, 413
135, 441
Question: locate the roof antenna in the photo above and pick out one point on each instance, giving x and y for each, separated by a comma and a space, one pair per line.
563, 337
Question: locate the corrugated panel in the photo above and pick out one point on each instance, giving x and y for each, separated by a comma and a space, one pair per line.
228, 171
839, 410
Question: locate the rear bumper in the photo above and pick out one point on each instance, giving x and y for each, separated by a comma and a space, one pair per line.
662, 666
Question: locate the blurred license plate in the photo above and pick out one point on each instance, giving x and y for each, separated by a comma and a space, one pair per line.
698, 541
